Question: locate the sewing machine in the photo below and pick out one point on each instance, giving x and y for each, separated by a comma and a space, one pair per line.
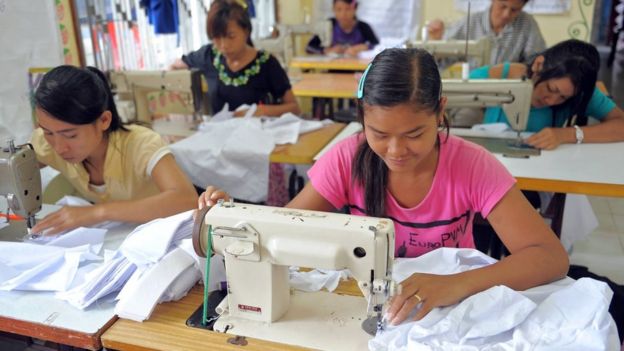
20, 184
259, 244
512, 95
283, 46
137, 85
479, 49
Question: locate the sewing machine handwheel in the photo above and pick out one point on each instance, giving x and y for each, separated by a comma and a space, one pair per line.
198, 227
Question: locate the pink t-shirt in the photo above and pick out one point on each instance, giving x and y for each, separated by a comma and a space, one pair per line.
468, 179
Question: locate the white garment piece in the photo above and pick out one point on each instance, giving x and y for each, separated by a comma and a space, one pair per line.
548, 317
30, 266
217, 266
316, 279
287, 128
138, 304
232, 155
181, 285
579, 220
149, 242
76, 237
108, 278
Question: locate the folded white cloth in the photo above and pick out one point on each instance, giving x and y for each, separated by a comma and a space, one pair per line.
146, 291
149, 242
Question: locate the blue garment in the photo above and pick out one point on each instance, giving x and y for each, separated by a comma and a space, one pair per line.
162, 14
598, 107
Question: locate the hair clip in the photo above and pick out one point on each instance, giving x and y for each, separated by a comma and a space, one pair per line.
360, 90
242, 3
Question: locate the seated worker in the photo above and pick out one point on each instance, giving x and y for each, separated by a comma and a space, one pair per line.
406, 167
515, 36
236, 72
564, 95
126, 170
350, 36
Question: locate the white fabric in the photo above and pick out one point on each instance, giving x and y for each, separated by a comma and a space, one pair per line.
48, 263
579, 220
567, 314
232, 155
139, 304
149, 242
139, 253
26, 266
316, 279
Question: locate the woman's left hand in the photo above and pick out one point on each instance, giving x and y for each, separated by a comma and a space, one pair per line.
67, 218
428, 291
547, 138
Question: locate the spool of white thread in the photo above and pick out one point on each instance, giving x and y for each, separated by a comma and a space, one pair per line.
465, 70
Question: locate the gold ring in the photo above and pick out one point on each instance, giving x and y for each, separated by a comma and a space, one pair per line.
418, 297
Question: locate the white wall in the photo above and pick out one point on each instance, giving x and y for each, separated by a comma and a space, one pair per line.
29, 37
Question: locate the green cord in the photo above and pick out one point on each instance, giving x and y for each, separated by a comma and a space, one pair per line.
207, 275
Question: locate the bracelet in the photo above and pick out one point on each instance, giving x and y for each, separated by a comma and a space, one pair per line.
579, 134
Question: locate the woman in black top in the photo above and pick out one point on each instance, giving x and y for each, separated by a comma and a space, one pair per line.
349, 35
236, 72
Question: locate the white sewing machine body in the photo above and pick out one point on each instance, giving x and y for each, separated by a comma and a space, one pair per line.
259, 244
512, 95
479, 49
20, 184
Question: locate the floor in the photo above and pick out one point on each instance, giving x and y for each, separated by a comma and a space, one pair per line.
603, 250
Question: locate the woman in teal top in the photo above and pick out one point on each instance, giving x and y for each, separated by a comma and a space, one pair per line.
564, 95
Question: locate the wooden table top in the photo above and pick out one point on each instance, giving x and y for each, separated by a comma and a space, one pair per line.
308, 145
319, 62
167, 330
326, 85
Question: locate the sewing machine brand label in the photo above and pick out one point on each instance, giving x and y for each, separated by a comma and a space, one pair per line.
246, 308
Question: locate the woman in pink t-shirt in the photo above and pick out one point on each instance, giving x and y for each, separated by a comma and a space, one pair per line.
406, 167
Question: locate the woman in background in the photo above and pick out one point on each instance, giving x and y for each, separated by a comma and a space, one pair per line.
564, 96
350, 36
514, 34
237, 73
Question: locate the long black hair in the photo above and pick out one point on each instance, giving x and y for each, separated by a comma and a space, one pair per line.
578, 61
396, 76
77, 96
221, 13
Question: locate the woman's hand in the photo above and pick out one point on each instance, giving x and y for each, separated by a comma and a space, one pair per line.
548, 138
211, 196
336, 49
68, 218
435, 29
428, 291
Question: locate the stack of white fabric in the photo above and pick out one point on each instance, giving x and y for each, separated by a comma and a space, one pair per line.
152, 264
567, 314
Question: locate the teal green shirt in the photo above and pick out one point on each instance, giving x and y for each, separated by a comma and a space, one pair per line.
598, 107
